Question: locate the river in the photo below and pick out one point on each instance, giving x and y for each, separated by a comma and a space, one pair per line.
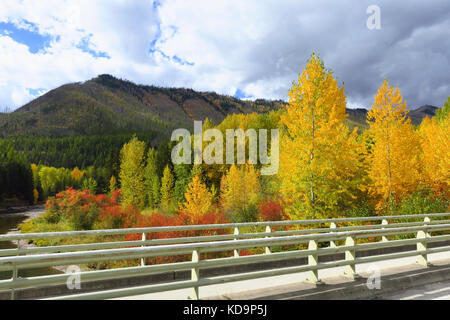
8, 224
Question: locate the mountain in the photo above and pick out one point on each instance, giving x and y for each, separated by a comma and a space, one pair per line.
105, 105
418, 114
357, 117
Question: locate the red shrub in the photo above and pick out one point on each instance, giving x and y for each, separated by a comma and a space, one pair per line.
162, 220
271, 210
155, 220
208, 218
245, 252
115, 217
84, 210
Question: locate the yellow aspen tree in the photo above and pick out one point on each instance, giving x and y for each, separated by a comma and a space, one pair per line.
240, 187
198, 199
77, 174
112, 184
167, 189
435, 143
35, 195
251, 185
319, 156
394, 160
35, 172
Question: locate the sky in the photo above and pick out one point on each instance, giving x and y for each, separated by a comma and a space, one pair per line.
244, 48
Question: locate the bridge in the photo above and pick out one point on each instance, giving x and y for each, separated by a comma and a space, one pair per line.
283, 251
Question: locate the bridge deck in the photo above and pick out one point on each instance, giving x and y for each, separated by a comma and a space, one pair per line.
396, 275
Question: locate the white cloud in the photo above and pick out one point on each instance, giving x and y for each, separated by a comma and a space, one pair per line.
256, 46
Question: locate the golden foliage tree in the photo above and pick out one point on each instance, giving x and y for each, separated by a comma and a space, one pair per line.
35, 196
198, 199
319, 158
112, 184
77, 174
132, 167
35, 172
394, 159
240, 187
435, 142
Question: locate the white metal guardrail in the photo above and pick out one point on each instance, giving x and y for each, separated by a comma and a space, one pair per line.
321, 240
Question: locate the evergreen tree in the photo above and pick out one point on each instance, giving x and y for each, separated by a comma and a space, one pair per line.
89, 184
152, 186
183, 177
444, 112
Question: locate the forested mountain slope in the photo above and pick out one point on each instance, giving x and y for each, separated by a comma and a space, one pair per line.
106, 105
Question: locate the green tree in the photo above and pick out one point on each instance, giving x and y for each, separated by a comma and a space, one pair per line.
167, 186
152, 184
183, 177
443, 113
89, 184
132, 172
16, 175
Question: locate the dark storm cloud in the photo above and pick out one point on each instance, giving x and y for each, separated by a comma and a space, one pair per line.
412, 48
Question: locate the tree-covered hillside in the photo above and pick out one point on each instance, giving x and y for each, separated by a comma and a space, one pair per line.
106, 105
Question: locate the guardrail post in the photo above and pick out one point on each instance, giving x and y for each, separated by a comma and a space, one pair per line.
236, 252
350, 254
384, 222
268, 230
195, 274
15, 271
14, 277
333, 228
313, 275
422, 258
144, 238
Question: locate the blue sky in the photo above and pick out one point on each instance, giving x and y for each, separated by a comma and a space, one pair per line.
29, 37
248, 49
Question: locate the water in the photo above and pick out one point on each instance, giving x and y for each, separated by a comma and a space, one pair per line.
9, 223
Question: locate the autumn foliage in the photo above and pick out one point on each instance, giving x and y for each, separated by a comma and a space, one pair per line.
182, 219
271, 210
394, 160
198, 200
326, 169
319, 156
83, 210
